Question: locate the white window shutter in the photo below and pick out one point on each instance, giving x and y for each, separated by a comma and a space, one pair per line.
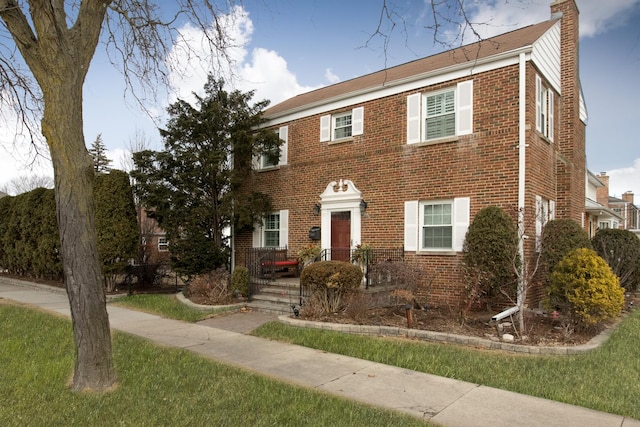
283, 133
357, 121
538, 104
539, 222
411, 225
325, 128
413, 118
257, 236
464, 106
256, 163
550, 115
284, 228
461, 212
552, 210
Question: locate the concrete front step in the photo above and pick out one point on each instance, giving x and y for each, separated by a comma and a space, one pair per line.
277, 298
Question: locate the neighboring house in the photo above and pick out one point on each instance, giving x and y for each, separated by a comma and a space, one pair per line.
598, 215
154, 246
627, 213
405, 157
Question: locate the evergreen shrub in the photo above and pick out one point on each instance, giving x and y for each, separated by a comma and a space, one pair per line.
490, 255
240, 280
559, 237
621, 250
583, 287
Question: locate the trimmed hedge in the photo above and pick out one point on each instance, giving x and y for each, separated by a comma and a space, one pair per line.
559, 237
332, 274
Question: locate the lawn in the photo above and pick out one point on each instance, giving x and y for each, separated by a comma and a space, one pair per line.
606, 379
157, 386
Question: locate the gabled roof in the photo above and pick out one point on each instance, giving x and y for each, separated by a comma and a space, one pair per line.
474, 52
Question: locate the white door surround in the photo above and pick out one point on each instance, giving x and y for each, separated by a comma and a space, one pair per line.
341, 196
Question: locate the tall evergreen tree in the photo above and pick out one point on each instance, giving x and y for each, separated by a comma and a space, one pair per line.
192, 186
98, 152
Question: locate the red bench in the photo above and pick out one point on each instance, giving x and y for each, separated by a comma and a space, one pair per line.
280, 266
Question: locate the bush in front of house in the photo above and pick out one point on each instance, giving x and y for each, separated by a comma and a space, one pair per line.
490, 256
327, 282
211, 288
559, 237
584, 288
621, 250
240, 280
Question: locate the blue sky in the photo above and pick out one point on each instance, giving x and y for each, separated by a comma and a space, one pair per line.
287, 47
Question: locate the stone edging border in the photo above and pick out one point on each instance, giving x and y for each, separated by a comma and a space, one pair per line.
443, 337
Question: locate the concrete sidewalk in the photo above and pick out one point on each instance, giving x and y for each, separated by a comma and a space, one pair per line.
444, 401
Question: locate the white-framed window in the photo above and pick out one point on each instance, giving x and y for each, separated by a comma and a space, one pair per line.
436, 225
163, 244
273, 232
544, 109
439, 111
440, 114
342, 125
277, 156
603, 225
545, 212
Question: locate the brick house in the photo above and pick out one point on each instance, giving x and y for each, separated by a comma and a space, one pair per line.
625, 209
405, 157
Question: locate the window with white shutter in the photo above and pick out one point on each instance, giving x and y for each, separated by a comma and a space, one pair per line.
441, 114
545, 101
342, 125
436, 225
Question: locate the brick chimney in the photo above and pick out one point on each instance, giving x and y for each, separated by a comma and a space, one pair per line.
571, 162
602, 193
628, 197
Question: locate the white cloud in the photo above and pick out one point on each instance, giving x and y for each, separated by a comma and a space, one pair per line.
500, 16
598, 17
331, 77
264, 71
625, 179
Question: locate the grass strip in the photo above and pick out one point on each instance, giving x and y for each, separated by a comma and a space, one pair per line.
605, 379
157, 386
168, 306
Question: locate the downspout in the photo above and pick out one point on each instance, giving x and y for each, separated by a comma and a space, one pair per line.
522, 146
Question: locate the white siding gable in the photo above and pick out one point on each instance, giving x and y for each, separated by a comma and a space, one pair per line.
546, 56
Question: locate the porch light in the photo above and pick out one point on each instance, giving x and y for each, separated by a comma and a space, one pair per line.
316, 209
363, 207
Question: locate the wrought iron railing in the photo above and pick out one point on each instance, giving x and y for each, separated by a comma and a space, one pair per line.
364, 257
261, 263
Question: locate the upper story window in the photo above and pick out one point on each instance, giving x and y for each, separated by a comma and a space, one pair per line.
440, 114
544, 109
277, 156
342, 125
436, 226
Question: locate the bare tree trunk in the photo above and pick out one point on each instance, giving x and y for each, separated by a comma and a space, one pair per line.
62, 127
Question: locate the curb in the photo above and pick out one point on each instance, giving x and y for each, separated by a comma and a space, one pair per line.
443, 337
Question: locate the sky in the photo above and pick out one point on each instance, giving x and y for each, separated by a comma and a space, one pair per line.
286, 47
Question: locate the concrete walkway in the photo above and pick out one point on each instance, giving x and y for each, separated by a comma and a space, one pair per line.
444, 401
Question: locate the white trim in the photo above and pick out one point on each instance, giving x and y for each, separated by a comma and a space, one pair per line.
412, 83
414, 118
341, 196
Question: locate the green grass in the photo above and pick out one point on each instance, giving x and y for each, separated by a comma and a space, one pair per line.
157, 386
606, 379
168, 306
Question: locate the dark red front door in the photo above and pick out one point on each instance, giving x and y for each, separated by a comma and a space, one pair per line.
340, 235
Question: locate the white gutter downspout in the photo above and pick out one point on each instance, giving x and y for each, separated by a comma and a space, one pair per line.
522, 109
522, 104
